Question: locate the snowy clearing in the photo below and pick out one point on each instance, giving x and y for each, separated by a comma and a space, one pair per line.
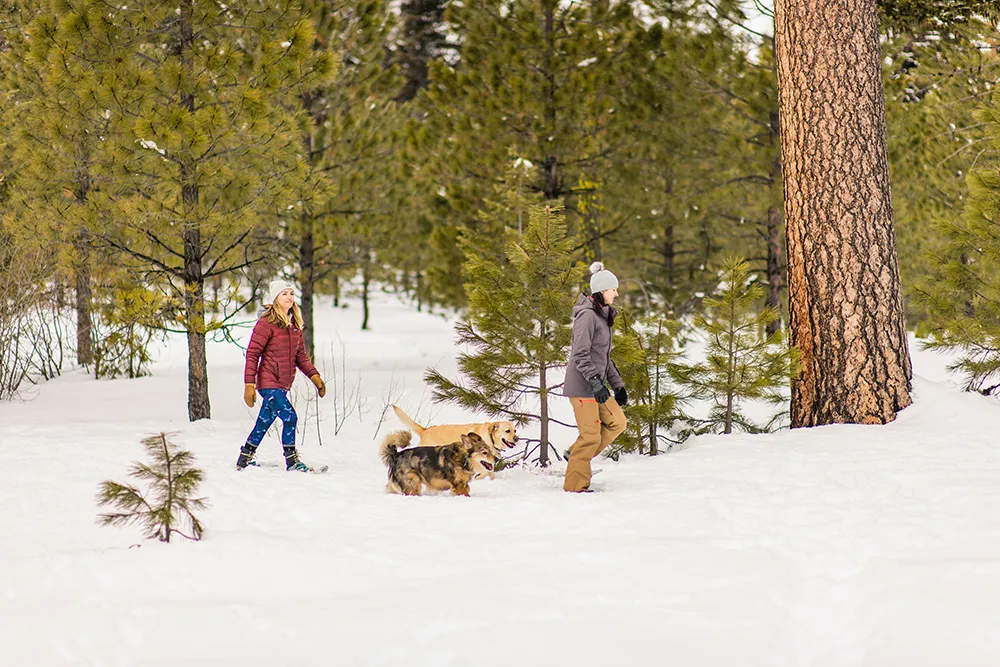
838, 546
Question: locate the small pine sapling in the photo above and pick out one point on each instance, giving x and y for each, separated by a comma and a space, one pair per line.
645, 353
741, 361
170, 499
962, 296
517, 325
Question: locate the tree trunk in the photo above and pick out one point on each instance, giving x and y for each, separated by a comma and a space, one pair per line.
421, 43
365, 280
194, 310
773, 297
550, 165
199, 406
668, 249
845, 306
84, 293
592, 230
543, 395
307, 280
84, 297
419, 281
774, 223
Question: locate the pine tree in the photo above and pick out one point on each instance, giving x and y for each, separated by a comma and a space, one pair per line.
646, 354
742, 362
750, 188
342, 202
845, 303
209, 138
60, 123
421, 42
935, 81
517, 326
170, 500
540, 78
683, 159
490, 232
963, 296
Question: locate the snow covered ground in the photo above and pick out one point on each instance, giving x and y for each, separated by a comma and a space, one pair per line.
838, 546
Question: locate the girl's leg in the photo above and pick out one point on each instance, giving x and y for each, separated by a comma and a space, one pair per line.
265, 418
289, 421
268, 413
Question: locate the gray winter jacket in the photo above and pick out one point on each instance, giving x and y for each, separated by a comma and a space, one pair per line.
590, 354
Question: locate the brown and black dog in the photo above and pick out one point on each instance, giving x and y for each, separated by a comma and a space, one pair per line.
497, 435
448, 467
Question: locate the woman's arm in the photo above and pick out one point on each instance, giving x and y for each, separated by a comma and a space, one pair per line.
302, 360
258, 341
583, 337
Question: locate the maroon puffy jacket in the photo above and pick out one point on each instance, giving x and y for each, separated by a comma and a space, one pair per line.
273, 354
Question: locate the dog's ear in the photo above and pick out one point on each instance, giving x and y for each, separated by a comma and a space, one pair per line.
466, 440
494, 427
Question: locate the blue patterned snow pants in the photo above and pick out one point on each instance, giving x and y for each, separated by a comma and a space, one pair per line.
275, 405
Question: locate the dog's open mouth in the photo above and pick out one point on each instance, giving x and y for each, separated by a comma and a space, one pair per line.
507, 443
488, 465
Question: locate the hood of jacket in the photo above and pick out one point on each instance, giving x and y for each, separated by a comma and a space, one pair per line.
584, 302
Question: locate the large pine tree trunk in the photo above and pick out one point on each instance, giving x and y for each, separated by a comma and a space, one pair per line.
846, 310
199, 406
308, 280
194, 310
84, 293
84, 297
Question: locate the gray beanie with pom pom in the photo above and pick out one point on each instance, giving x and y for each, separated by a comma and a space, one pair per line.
601, 279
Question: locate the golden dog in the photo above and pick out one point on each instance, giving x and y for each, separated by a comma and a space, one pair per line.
497, 435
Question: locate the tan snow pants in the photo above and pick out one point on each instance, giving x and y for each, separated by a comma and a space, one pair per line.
599, 424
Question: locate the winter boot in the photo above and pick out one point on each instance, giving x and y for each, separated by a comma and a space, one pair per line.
292, 461
245, 459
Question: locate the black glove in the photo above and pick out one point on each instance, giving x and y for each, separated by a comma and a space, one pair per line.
621, 396
601, 392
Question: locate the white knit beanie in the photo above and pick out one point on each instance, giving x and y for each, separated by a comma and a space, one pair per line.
275, 288
601, 279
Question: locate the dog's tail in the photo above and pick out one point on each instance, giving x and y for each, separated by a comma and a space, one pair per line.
392, 444
405, 418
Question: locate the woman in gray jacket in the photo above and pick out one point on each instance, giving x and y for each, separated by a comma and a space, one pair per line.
599, 416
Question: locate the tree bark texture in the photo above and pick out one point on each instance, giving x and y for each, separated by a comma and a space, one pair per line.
845, 305
199, 406
84, 292
194, 309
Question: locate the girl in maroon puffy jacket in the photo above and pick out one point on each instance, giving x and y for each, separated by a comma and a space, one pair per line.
276, 349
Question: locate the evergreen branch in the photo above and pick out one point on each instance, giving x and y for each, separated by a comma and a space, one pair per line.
152, 237
961, 149
600, 236
177, 273
723, 14
235, 244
